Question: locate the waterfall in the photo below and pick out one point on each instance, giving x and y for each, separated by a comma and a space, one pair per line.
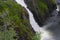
57, 8
45, 35
33, 23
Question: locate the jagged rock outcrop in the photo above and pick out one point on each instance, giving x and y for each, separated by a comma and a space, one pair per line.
41, 9
14, 22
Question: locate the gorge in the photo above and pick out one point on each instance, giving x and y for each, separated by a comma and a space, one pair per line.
29, 19
46, 32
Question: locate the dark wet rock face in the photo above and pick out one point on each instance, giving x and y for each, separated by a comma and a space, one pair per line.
41, 9
59, 13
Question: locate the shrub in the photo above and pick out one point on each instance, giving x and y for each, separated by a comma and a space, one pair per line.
36, 37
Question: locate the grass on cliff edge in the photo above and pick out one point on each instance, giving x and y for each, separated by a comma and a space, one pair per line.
12, 15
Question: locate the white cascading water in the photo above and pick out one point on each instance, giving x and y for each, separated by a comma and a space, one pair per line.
45, 35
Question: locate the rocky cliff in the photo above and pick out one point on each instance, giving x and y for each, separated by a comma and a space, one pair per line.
41, 9
14, 22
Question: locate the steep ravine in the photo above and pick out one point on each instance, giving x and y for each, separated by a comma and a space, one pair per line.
49, 31
21, 19
45, 34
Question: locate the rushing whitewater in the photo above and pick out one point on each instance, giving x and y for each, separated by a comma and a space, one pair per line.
45, 35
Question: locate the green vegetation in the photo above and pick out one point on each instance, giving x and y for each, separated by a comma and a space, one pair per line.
7, 34
44, 7
41, 6
36, 37
53, 1
13, 16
